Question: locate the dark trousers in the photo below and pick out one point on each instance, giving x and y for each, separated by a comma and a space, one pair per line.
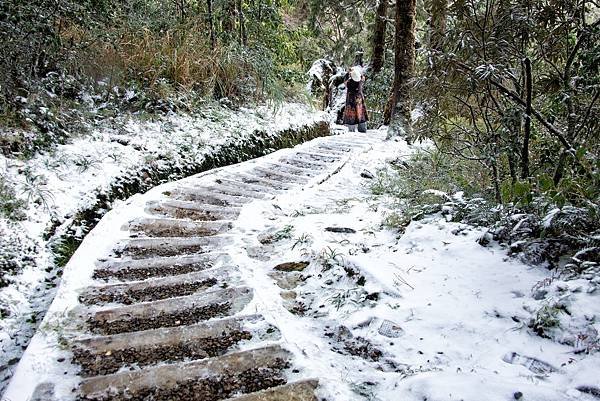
362, 127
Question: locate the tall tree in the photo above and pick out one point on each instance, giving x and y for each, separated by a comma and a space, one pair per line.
518, 94
379, 29
241, 19
399, 104
211, 24
527, 120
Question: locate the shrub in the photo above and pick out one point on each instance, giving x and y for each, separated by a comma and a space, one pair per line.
10, 206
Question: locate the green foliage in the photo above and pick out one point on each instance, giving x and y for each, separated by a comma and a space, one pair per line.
547, 318
284, 233
84, 163
10, 206
330, 257
344, 297
161, 50
34, 189
471, 89
63, 249
36, 46
424, 185
430, 171
377, 90
338, 27
519, 192
302, 242
400, 220
541, 189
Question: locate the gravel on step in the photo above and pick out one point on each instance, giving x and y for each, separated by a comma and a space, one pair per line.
171, 312
100, 355
94, 364
179, 318
298, 391
207, 379
169, 246
141, 269
147, 294
167, 227
208, 389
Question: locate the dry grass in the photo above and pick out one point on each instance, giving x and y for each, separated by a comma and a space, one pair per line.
183, 57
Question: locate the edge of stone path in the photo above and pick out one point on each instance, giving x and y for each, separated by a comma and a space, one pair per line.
47, 358
232, 151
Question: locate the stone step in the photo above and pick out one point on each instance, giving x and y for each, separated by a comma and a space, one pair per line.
160, 288
359, 137
229, 190
319, 157
298, 391
238, 183
108, 354
168, 227
42, 392
332, 149
353, 141
138, 248
258, 179
203, 195
141, 269
204, 380
291, 169
170, 312
278, 176
304, 163
192, 210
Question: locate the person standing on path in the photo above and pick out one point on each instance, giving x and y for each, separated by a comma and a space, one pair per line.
355, 112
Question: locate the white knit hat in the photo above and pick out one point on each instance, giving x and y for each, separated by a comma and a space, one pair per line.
355, 74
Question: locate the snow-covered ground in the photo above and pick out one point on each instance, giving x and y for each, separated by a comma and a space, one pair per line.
428, 315
67, 178
377, 315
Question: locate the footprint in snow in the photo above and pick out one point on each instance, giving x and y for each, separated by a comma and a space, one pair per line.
533, 364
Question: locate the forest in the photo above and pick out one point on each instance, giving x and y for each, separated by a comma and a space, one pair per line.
487, 114
509, 89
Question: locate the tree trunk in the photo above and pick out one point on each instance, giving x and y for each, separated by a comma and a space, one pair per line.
496, 176
211, 25
240, 11
512, 168
513, 150
439, 13
560, 168
379, 35
527, 120
228, 21
397, 110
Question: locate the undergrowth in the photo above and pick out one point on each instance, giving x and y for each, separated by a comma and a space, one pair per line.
539, 223
11, 206
424, 184
532, 223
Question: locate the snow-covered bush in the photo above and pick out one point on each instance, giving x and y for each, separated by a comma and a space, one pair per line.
538, 233
428, 183
544, 239
16, 251
10, 206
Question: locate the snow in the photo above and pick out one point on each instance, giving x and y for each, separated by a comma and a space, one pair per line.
39, 363
450, 316
436, 192
547, 221
461, 308
316, 69
67, 178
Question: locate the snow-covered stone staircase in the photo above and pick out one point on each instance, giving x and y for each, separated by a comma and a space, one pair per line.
163, 315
